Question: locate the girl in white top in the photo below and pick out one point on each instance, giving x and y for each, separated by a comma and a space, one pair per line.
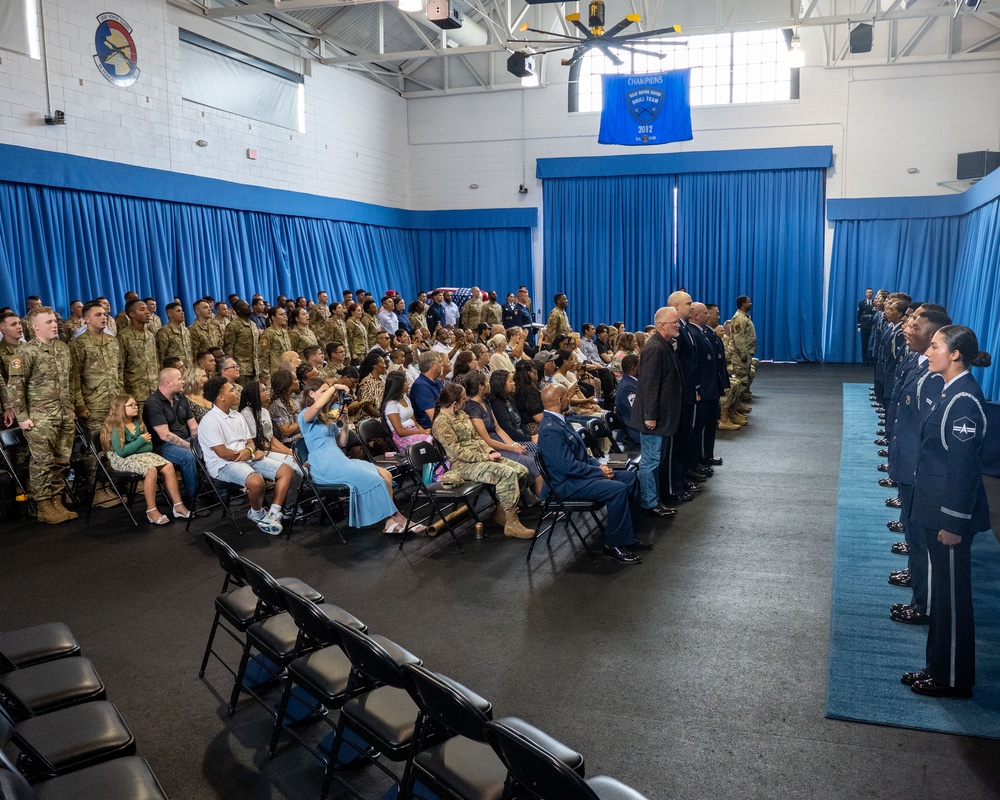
254, 400
398, 413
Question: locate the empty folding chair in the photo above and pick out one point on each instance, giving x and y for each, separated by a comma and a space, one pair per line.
275, 637
556, 509
384, 718
67, 740
36, 644
372, 432
543, 771
436, 495
128, 778
620, 433
310, 490
38, 689
463, 767
236, 609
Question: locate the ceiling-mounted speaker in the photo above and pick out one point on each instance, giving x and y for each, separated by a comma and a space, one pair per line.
861, 38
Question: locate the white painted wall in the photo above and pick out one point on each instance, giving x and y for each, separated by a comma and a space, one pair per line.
354, 145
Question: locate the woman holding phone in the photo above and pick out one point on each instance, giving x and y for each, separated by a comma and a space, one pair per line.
324, 426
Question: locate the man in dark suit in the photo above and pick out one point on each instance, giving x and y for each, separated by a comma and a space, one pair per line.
682, 457
575, 475
707, 391
866, 316
656, 411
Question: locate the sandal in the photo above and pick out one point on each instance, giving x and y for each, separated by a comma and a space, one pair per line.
179, 515
392, 527
161, 520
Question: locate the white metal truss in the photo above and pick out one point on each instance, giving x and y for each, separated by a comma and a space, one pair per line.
409, 55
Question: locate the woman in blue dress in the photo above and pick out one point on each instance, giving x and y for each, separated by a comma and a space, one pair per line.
324, 427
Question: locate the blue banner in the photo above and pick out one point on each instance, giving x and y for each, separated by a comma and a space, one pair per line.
646, 109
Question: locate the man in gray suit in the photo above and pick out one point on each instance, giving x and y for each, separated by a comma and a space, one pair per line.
656, 411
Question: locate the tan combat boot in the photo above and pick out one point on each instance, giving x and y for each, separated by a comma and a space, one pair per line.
515, 529
726, 424
58, 503
736, 417
743, 408
48, 514
499, 515
105, 498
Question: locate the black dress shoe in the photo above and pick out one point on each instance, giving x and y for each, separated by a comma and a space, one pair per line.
894, 502
639, 545
931, 688
898, 606
901, 578
683, 497
693, 487
881, 442
883, 467
715, 461
883, 453
876, 404
909, 616
880, 432
659, 511
622, 555
901, 549
895, 526
887, 482
910, 678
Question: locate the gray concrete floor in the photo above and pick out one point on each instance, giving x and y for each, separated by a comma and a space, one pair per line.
700, 673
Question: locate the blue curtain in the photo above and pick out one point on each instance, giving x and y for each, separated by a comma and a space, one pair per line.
609, 247
66, 244
758, 234
915, 256
503, 258
976, 287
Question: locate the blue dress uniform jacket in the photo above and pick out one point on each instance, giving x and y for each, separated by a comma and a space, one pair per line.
687, 356
907, 363
948, 492
706, 374
435, 316
575, 475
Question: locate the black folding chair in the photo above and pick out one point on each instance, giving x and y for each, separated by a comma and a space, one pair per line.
373, 431
220, 493
41, 688
385, 718
543, 773
67, 740
311, 491
463, 765
620, 433
556, 509
128, 778
435, 494
236, 609
11, 440
37, 644
276, 637
600, 430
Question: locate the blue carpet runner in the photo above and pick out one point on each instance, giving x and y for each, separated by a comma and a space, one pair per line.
868, 651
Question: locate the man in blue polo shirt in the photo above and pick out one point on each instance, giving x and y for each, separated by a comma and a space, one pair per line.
426, 388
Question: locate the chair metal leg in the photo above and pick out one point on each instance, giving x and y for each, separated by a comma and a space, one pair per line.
280, 716
238, 685
208, 647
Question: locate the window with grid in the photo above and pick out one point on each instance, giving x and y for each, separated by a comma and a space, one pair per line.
746, 67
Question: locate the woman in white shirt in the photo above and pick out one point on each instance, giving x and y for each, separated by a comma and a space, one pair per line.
397, 412
254, 400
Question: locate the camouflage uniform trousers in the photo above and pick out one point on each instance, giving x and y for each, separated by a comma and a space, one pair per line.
51, 445
504, 475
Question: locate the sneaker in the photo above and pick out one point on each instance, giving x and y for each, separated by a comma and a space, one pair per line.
270, 524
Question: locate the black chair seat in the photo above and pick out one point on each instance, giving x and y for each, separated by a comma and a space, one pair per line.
466, 489
79, 736
27, 646
277, 636
582, 505
53, 685
324, 674
609, 789
122, 779
468, 768
386, 714
400, 655
567, 755
240, 605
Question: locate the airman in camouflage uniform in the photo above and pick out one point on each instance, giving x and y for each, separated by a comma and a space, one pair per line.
274, 341
154, 323
5, 407
318, 315
205, 331
69, 329
96, 379
492, 313
10, 343
139, 365
558, 321
42, 399
174, 339
472, 311
336, 329
241, 340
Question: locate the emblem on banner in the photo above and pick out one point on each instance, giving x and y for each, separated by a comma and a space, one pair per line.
645, 103
116, 55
